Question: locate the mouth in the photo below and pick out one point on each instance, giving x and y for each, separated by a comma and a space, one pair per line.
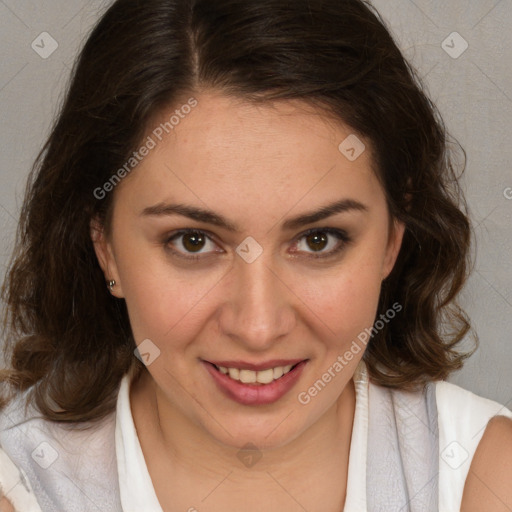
252, 384
259, 377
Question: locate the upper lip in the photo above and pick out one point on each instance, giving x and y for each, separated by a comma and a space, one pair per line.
245, 365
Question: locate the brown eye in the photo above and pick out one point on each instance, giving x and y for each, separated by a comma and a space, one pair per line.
322, 243
193, 242
317, 241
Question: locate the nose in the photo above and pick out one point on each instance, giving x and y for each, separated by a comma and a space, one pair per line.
258, 310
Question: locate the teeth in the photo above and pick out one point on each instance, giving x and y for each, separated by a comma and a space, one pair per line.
247, 376
252, 377
234, 373
278, 372
265, 376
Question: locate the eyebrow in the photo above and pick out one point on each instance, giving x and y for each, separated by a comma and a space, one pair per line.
210, 217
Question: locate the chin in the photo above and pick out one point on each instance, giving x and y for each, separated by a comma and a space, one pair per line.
263, 434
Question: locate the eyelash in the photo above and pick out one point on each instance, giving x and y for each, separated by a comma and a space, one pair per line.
342, 236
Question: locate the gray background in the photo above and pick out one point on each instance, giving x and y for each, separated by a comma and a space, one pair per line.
473, 91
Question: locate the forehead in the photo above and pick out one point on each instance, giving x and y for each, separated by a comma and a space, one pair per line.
220, 122
228, 146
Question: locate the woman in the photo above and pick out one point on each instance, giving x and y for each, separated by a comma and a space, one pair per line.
266, 191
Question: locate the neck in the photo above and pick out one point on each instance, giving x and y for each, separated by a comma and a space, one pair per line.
184, 448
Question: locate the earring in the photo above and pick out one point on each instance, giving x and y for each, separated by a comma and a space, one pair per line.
111, 285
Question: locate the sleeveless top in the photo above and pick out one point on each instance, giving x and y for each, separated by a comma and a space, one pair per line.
410, 452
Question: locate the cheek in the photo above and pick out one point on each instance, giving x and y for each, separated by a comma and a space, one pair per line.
343, 306
344, 301
158, 295
162, 303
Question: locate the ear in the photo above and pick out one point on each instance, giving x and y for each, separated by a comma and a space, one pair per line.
396, 234
105, 254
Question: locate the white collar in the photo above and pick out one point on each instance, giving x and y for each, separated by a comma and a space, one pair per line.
355, 500
136, 488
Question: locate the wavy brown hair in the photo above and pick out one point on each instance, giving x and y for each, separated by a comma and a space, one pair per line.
68, 341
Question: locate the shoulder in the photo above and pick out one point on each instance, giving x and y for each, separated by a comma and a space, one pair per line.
488, 485
6, 473
6, 506
15, 487
80, 456
463, 420
463, 413
460, 400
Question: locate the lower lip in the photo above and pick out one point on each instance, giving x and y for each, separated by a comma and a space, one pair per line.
255, 394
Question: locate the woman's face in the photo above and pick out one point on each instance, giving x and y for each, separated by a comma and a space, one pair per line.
267, 276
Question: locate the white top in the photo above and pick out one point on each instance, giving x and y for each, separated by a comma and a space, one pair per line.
136, 488
137, 492
461, 416
135, 485
457, 443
